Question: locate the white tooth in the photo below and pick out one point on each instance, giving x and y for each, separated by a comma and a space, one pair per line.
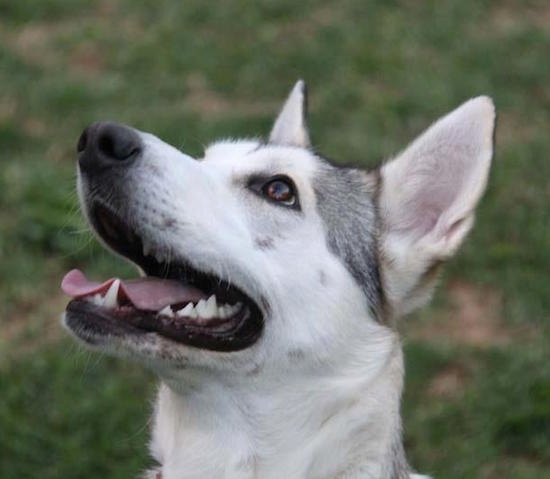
222, 312
211, 308
97, 299
230, 310
200, 308
235, 308
146, 248
166, 311
110, 299
159, 256
185, 311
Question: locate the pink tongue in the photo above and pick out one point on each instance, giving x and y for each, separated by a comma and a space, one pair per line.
144, 293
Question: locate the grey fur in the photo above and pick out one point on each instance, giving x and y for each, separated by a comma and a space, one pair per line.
346, 204
264, 242
399, 466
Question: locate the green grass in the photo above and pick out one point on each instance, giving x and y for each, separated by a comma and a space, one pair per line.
67, 414
379, 72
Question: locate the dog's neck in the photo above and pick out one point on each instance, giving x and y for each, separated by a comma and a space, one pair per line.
325, 424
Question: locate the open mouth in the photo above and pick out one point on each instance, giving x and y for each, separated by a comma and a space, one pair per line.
174, 300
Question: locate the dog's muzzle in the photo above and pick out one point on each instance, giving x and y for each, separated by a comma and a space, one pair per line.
174, 300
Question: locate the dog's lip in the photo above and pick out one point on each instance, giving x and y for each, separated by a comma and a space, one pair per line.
115, 308
95, 324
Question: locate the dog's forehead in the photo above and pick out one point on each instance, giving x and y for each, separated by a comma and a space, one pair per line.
249, 157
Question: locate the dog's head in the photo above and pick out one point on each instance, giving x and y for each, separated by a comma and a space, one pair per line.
264, 253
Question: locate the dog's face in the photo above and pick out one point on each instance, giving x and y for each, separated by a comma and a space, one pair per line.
264, 254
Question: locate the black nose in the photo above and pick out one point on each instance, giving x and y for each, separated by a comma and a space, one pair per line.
104, 145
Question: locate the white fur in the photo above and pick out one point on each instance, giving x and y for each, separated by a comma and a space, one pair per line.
317, 397
249, 414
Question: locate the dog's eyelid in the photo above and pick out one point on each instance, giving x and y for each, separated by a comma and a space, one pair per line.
257, 180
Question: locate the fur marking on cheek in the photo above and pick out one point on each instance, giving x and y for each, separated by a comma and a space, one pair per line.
264, 242
345, 203
296, 354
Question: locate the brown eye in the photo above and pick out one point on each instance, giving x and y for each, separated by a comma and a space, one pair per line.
281, 191
278, 189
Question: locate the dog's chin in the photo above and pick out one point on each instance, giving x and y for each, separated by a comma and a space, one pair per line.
129, 315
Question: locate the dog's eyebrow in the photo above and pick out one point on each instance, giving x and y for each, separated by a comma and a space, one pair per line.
244, 179
263, 175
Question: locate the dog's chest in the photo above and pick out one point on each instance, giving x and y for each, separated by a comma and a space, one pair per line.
295, 440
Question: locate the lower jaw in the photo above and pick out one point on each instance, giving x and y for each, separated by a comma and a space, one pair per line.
92, 323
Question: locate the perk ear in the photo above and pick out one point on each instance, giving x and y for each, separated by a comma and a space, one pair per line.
290, 127
427, 199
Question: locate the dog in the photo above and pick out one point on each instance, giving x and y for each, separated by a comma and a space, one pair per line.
271, 283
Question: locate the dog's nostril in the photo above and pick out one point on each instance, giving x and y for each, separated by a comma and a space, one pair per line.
82, 141
106, 145
117, 142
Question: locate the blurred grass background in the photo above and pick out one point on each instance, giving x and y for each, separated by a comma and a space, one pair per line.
477, 401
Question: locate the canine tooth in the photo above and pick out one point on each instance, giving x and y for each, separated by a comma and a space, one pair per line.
110, 299
187, 311
166, 311
222, 312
